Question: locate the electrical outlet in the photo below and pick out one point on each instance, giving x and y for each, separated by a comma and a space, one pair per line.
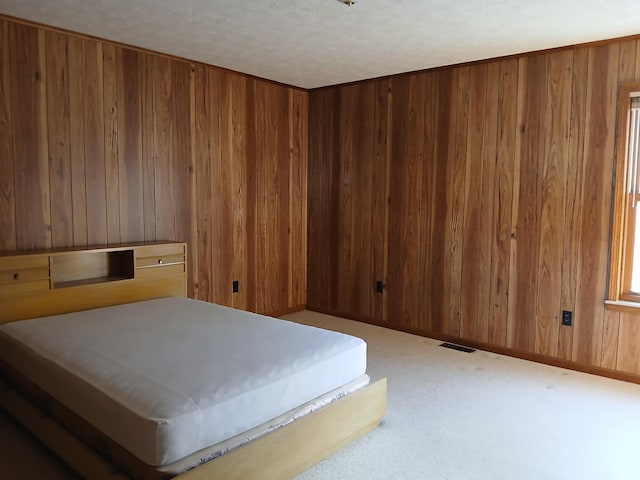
567, 318
236, 286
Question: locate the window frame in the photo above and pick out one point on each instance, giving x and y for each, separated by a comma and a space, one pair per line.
623, 225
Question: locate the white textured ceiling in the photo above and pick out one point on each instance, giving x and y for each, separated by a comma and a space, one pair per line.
316, 43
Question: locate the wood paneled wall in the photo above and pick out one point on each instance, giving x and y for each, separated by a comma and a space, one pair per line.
481, 196
101, 144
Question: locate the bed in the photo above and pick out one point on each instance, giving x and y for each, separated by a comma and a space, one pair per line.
136, 388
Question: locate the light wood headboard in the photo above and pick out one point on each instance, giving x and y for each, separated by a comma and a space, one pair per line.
61, 281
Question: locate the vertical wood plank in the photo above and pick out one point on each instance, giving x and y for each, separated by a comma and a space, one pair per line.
94, 143
284, 198
147, 105
7, 191
251, 180
202, 105
257, 166
362, 174
239, 201
130, 164
627, 63
380, 192
458, 201
557, 119
637, 74
598, 171
223, 194
439, 268
163, 147
611, 327
298, 142
324, 181
59, 139
611, 339
487, 220
219, 277
628, 360
427, 202
448, 326
502, 202
319, 197
529, 154
335, 204
343, 275
412, 207
77, 138
29, 121
573, 197
111, 160
280, 106
471, 213
270, 138
400, 91
268, 214
194, 248
183, 165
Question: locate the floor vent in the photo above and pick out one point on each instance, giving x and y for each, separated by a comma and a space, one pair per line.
460, 348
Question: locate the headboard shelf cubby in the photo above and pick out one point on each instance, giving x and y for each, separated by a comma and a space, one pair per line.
91, 267
67, 280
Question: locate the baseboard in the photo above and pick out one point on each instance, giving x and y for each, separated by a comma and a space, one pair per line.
286, 311
533, 357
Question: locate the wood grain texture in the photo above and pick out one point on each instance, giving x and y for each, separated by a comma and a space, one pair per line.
111, 159
499, 203
470, 316
130, 165
485, 231
7, 193
427, 199
27, 74
298, 164
347, 189
532, 101
163, 139
612, 318
103, 144
94, 144
480, 195
451, 89
184, 165
147, 106
239, 204
59, 141
251, 181
76, 138
502, 203
457, 201
438, 266
628, 359
203, 185
556, 119
321, 234
573, 197
597, 197
222, 259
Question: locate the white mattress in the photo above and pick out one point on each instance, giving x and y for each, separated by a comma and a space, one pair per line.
168, 377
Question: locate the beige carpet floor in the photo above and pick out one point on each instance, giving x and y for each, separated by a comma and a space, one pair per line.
452, 415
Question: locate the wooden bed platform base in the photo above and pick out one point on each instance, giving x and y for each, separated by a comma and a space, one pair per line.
280, 455
54, 282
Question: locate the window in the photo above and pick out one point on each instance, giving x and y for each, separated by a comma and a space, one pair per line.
624, 270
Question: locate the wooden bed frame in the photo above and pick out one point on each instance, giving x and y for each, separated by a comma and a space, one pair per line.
53, 282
